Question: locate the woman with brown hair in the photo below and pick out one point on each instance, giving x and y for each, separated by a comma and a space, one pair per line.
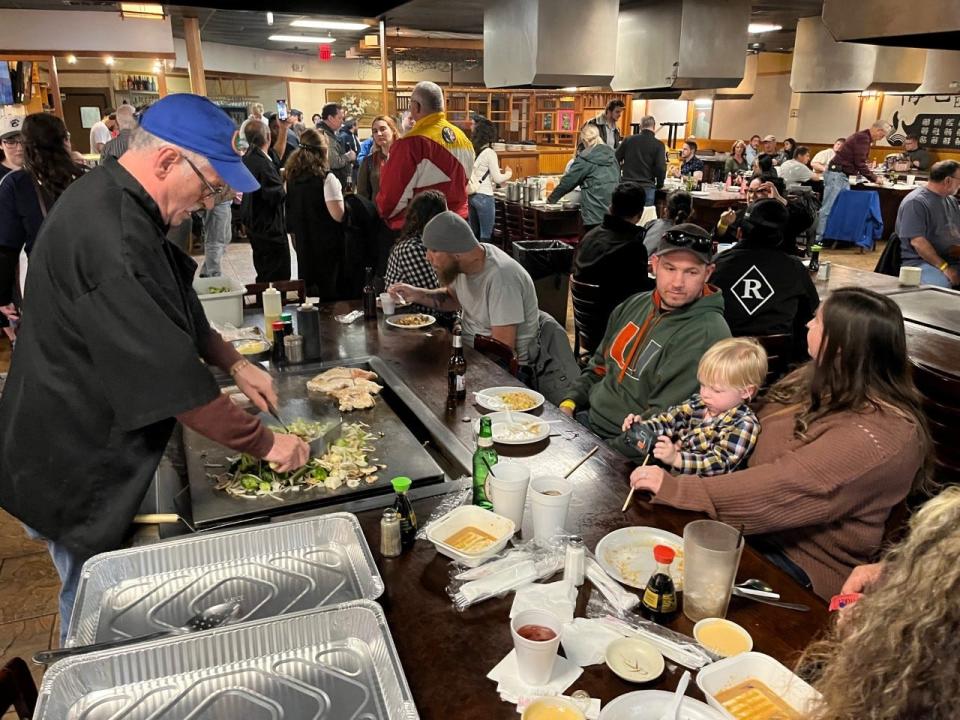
843, 439
737, 163
28, 194
894, 655
383, 131
317, 227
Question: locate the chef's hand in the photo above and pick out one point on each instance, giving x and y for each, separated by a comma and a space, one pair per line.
665, 450
404, 292
257, 385
288, 453
862, 577
647, 478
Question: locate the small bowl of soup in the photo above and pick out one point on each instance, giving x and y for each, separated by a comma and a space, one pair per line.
723, 637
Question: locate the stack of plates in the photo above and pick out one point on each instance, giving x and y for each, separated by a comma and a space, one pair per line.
499, 147
516, 148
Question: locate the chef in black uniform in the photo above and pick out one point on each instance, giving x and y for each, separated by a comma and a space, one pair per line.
112, 346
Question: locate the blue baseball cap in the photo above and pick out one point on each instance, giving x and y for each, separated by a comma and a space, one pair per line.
194, 123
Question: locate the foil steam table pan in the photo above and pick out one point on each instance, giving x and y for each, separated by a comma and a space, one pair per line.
334, 663
272, 569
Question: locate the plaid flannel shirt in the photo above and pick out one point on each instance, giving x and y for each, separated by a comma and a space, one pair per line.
408, 264
708, 446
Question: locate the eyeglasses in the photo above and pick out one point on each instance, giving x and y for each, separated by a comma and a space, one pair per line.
697, 243
217, 193
18, 140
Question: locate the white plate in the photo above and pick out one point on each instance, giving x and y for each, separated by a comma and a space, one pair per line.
634, 660
487, 398
649, 704
500, 419
627, 555
392, 320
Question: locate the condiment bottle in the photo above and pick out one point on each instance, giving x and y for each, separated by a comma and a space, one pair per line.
484, 457
814, 258
287, 320
660, 597
575, 562
279, 356
390, 545
369, 297
272, 307
308, 321
456, 371
408, 518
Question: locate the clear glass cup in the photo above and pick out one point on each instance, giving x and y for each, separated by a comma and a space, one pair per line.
711, 556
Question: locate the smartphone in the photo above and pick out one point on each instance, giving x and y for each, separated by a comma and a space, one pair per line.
282, 109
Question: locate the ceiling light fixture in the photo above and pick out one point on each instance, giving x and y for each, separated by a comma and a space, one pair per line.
141, 11
302, 38
756, 28
71, 59
269, 18
329, 24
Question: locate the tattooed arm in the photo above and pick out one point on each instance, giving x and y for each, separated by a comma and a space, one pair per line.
442, 299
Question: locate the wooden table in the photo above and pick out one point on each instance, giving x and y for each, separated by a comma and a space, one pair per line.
447, 654
519, 221
934, 307
708, 205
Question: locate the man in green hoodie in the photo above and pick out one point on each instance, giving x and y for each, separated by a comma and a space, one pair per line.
654, 341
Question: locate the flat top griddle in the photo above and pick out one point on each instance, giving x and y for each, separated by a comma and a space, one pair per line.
396, 447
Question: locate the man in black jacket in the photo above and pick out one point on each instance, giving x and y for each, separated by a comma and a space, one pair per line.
644, 159
263, 210
613, 255
341, 160
765, 290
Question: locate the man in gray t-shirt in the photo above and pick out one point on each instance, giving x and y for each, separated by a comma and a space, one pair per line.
492, 289
928, 224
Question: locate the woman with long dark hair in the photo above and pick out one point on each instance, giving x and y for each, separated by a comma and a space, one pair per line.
678, 210
317, 227
843, 441
486, 173
28, 194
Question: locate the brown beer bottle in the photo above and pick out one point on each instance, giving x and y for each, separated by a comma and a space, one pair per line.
456, 369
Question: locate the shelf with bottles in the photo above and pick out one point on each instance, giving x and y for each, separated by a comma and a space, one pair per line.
126, 82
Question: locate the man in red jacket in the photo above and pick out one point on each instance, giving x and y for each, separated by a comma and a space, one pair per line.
434, 155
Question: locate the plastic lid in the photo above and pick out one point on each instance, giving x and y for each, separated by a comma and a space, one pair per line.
277, 324
286, 316
401, 484
664, 554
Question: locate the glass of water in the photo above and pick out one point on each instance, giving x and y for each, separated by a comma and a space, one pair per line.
711, 556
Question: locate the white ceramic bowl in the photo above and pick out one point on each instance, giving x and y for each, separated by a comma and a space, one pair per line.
634, 660
700, 625
489, 522
726, 673
650, 704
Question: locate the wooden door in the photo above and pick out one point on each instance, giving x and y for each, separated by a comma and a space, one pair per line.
77, 98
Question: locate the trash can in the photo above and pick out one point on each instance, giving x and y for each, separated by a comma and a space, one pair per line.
549, 263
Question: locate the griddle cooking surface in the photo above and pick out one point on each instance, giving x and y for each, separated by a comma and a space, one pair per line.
397, 448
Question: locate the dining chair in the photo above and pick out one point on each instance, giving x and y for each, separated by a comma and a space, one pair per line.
499, 352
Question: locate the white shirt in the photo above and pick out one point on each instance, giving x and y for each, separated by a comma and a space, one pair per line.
824, 156
488, 160
332, 189
242, 139
794, 171
99, 133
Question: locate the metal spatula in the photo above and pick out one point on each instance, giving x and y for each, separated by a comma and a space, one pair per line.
214, 616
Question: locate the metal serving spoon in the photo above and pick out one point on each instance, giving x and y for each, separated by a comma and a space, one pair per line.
214, 616
758, 588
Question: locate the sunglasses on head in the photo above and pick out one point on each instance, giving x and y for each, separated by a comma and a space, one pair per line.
681, 239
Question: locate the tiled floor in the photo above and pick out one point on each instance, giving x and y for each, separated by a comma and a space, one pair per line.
28, 582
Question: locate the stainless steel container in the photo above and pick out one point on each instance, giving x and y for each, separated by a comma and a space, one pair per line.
514, 191
823, 272
293, 347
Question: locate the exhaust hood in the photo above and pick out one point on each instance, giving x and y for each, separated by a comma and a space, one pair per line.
821, 64
941, 76
670, 45
747, 86
549, 43
933, 24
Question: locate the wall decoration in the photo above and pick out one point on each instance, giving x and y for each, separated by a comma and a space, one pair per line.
565, 120
548, 122
934, 119
364, 105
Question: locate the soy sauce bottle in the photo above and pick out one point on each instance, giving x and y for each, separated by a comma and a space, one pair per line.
660, 597
369, 297
408, 518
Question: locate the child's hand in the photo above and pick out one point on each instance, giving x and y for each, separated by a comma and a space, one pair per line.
630, 420
665, 451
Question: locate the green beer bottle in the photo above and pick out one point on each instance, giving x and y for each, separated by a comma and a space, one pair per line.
483, 452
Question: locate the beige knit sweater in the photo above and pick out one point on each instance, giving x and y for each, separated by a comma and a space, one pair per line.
825, 499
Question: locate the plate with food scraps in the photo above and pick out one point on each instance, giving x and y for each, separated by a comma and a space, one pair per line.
411, 321
627, 555
516, 428
509, 398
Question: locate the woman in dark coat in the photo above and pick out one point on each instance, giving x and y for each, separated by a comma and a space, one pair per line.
317, 227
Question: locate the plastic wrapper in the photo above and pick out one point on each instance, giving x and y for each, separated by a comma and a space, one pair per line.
349, 317
451, 501
505, 572
230, 332
681, 649
611, 590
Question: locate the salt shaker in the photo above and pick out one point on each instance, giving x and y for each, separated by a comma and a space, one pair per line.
390, 534
575, 562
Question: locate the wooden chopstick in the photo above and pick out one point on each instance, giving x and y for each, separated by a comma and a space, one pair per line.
626, 504
581, 461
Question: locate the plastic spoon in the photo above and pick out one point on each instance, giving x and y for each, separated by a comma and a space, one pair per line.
673, 709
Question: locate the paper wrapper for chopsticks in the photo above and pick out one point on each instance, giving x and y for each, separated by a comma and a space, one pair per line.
505, 560
505, 580
610, 588
679, 648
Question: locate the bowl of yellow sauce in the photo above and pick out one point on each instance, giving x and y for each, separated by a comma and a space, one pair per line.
723, 637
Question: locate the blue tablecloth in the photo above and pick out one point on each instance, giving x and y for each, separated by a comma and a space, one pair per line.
855, 218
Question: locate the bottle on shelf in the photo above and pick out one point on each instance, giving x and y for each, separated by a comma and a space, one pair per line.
484, 458
369, 297
456, 370
129, 82
814, 258
408, 518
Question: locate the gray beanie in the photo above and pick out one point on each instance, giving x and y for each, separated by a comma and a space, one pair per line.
449, 233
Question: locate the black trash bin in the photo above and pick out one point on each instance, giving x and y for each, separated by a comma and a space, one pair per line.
549, 263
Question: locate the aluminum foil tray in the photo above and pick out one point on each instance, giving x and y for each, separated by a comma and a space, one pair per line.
335, 663
273, 569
